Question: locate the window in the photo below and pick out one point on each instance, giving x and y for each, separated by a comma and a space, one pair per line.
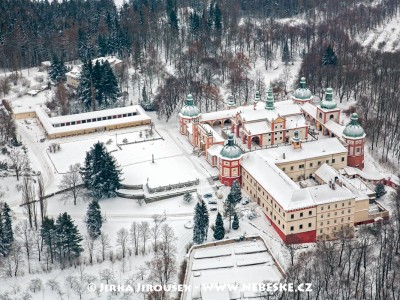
310, 213
327, 161
329, 207
342, 159
291, 228
311, 164
301, 215
322, 223
348, 218
292, 216
283, 169
301, 226
342, 204
349, 211
329, 215
283, 226
327, 222
309, 225
322, 216
322, 208
335, 213
349, 202
333, 160
336, 205
320, 231
319, 163
291, 168
279, 222
301, 166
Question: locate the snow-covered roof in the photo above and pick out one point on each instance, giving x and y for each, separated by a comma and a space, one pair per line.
270, 177
257, 127
214, 150
49, 124
226, 263
312, 149
358, 187
285, 191
295, 121
282, 108
310, 109
334, 127
217, 137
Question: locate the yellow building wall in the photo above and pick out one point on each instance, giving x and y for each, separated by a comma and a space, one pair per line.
299, 169
361, 210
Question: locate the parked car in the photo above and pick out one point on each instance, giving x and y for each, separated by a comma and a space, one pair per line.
207, 196
212, 202
213, 209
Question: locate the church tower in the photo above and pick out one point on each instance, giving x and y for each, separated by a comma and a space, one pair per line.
354, 136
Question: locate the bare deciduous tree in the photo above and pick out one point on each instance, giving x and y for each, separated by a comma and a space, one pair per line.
135, 236
104, 245
155, 230
122, 240
18, 161
72, 184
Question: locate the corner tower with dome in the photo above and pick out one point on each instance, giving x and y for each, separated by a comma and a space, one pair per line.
327, 110
302, 94
354, 137
188, 116
229, 168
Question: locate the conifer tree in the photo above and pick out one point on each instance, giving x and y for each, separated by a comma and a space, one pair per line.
57, 70
187, 197
200, 221
2, 248
94, 220
109, 86
235, 223
68, 238
219, 231
7, 230
286, 54
101, 174
48, 232
84, 90
206, 219
217, 18
236, 191
329, 57
229, 207
380, 190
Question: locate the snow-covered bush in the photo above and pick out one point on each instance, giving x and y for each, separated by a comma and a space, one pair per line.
25, 82
35, 285
39, 78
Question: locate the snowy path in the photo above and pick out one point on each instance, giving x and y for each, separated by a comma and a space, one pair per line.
38, 159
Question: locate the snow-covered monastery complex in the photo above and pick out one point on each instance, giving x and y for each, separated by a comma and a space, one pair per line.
291, 157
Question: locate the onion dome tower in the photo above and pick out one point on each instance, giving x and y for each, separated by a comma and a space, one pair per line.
231, 102
354, 136
327, 110
269, 104
302, 94
188, 114
229, 168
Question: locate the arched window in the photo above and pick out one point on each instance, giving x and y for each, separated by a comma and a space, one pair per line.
331, 116
320, 115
